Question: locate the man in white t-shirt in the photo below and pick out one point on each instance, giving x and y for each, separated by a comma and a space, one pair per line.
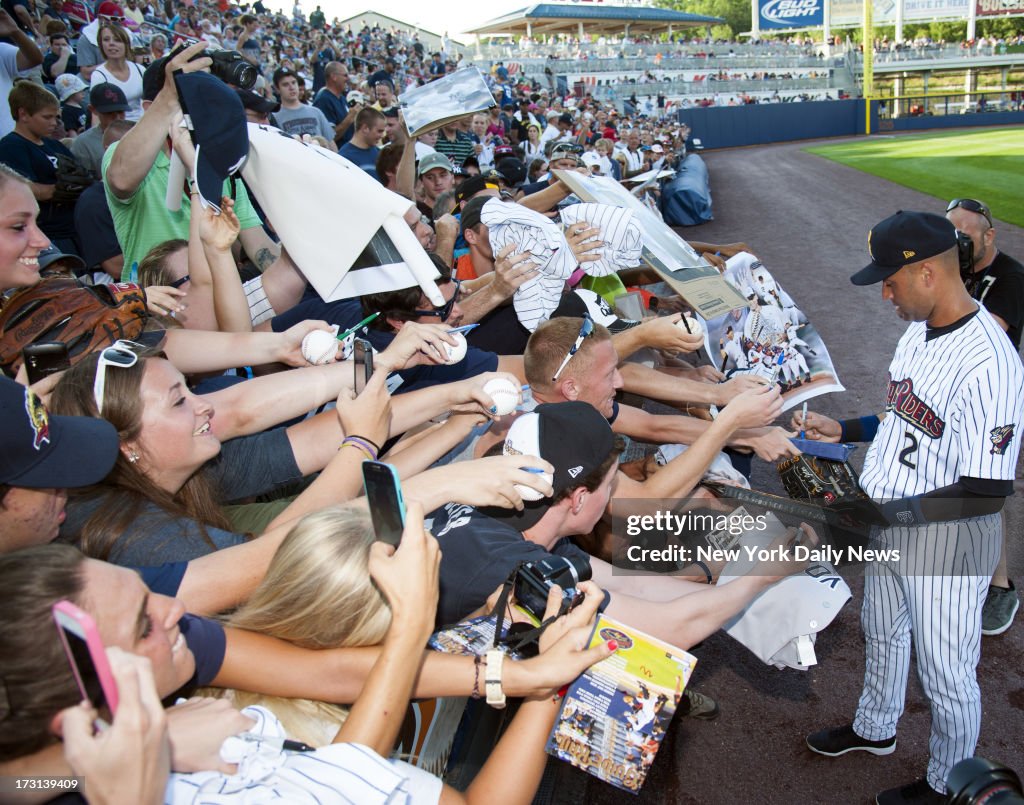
14, 60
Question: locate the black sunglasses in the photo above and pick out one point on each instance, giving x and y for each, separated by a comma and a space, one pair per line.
585, 330
180, 282
446, 310
971, 205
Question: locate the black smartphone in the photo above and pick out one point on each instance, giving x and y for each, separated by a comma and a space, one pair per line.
362, 357
43, 359
384, 496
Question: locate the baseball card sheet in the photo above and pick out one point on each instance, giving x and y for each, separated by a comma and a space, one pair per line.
615, 715
770, 336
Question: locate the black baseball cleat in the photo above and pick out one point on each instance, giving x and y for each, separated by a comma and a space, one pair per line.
840, 740
916, 793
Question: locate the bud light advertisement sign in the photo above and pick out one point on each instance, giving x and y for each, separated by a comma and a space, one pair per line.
791, 13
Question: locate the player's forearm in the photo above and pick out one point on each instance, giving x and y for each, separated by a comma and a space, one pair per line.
479, 303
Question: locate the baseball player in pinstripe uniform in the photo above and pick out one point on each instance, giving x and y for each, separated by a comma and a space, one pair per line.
940, 465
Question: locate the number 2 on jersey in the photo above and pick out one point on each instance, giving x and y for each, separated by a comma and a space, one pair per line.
909, 450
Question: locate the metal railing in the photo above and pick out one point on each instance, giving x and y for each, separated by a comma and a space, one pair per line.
933, 53
520, 51
951, 103
561, 66
621, 92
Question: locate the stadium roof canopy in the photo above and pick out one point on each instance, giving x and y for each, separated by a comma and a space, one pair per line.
592, 18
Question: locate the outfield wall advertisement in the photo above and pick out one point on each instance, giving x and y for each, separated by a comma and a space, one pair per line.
995, 8
846, 13
791, 13
851, 12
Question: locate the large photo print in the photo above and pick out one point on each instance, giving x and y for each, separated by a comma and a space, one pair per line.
771, 337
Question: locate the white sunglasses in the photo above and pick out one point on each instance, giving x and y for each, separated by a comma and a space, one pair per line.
121, 354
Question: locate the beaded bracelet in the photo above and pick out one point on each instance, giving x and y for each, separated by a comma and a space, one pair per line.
477, 662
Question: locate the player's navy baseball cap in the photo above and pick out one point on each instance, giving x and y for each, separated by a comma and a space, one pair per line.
572, 436
901, 239
41, 451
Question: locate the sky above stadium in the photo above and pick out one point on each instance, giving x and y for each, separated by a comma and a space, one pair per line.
437, 16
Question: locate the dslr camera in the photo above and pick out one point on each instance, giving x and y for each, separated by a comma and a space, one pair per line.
535, 579
965, 251
231, 68
977, 780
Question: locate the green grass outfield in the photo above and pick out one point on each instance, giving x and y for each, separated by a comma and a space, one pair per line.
988, 165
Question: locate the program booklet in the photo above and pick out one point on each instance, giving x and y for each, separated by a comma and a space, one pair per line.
443, 101
615, 715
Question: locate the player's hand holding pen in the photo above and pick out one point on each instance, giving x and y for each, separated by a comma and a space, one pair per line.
816, 427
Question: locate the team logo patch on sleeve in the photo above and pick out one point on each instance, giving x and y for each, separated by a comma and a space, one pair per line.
1000, 438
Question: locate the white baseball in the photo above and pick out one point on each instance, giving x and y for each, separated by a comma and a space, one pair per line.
505, 394
528, 493
320, 346
689, 322
458, 352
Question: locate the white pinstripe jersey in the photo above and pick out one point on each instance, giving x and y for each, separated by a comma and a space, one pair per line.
953, 408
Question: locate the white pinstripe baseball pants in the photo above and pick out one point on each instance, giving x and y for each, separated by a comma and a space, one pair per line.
933, 597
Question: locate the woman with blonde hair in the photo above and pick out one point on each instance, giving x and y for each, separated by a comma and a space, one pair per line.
118, 68
317, 594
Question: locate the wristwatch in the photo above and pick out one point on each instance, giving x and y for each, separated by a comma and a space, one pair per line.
492, 679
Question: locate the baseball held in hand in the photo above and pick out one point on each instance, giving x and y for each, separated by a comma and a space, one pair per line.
457, 352
320, 346
505, 394
528, 493
690, 324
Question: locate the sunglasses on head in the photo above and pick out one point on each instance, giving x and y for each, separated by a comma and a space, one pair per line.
444, 311
971, 205
585, 330
123, 355
566, 148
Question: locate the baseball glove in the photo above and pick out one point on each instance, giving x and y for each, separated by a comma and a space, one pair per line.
72, 179
83, 317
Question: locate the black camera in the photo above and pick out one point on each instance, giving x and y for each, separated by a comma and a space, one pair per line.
978, 780
231, 68
535, 579
965, 250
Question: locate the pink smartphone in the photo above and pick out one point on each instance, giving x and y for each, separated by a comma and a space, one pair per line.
88, 658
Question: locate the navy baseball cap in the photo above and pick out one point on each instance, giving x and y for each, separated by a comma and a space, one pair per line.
571, 436
256, 102
42, 451
107, 97
216, 119
902, 239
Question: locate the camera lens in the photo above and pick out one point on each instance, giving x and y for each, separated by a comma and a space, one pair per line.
979, 780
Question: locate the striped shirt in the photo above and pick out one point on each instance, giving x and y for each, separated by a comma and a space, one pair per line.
953, 408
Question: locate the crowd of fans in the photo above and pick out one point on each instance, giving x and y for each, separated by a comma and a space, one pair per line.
209, 518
